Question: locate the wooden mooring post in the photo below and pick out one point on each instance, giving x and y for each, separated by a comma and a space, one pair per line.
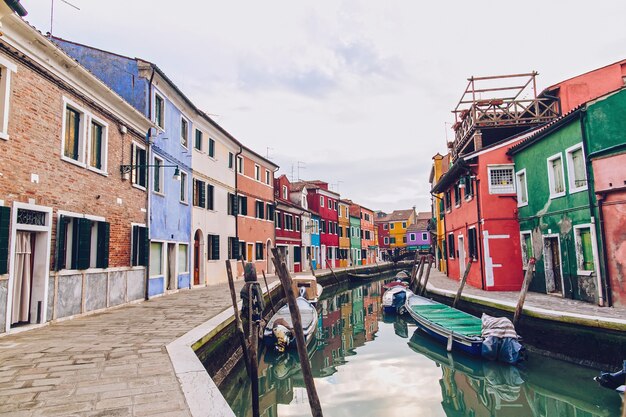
269, 295
528, 277
254, 361
332, 272
462, 284
285, 280
430, 265
414, 269
238, 323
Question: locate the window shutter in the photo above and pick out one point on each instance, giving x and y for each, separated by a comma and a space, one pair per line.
134, 255
202, 190
144, 246
61, 248
5, 215
209, 191
102, 257
215, 247
84, 244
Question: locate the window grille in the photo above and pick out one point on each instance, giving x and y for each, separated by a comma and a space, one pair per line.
501, 181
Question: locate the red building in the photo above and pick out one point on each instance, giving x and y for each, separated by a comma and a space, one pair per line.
381, 221
325, 203
288, 225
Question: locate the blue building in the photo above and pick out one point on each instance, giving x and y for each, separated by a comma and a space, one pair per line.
315, 241
163, 166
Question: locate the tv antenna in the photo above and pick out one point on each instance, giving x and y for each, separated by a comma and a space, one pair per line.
300, 165
52, 11
267, 152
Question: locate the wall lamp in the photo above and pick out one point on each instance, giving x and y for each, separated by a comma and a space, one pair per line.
125, 170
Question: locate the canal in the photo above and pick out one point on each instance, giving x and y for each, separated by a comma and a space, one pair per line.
369, 364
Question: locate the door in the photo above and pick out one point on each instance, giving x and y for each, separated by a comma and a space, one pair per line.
462, 265
23, 274
171, 266
552, 264
196, 258
250, 252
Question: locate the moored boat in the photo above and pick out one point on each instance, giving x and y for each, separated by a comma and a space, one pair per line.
394, 300
279, 332
361, 277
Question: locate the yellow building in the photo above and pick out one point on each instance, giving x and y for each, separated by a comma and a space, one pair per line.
398, 222
344, 236
440, 167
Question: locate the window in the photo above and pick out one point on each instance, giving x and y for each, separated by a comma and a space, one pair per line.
385, 226
335, 206
198, 142
268, 177
469, 187
424, 237
577, 174
284, 192
213, 248
157, 185
448, 200
184, 132
183, 187
323, 226
156, 259
584, 250
391, 225
242, 205
183, 258
522, 190
330, 204
231, 160
412, 237
233, 248
288, 222
297, 222
211, 148
140, 246
403, 239
472, 243
340, 231
260, 210
242, 251
138, 160
501, 179
386, 240
257, 172
199, 193
451, 250
240, 164
258, 251
527, 247
97, 145
279, 220
232, 206
270, 212
404, 225
159, 111
210, 197
321, 201
82, 243
6, 68
72, 146
555, 176
457, 195
393, 240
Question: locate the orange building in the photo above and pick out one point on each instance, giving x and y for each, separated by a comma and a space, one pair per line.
254, 208
344, 232
369, 244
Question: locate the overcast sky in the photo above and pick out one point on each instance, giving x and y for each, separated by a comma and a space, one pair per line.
358, 91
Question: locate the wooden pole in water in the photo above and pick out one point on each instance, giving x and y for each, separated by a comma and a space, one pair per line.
528, 277
239, 325
333, 272
254, 378
268, 292
414, 270
285, 280
430, 265
458, 293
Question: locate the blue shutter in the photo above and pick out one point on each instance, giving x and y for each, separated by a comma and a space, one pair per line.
5, 215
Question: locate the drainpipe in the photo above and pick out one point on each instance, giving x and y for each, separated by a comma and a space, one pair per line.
236, 195
604, 290
148, 206
479, 236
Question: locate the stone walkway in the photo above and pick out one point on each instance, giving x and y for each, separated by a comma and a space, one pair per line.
548, 302
108, 364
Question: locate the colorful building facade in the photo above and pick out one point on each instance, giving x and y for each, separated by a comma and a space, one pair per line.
288, 225
440, 166
418, 236
356, 255
344, 233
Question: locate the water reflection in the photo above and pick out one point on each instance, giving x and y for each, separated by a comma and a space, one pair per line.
364, 366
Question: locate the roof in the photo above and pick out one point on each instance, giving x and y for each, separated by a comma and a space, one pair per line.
447, 179
178, 90
419, 225
424, 215
400, 215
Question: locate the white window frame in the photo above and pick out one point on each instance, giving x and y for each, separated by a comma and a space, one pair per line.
105, 144
186, 269
386, 240
330, 204
579, 255
6, 68
285, 196
163, 100
492, 187
208, 147
257, 172
240, 165
195, 134
231, 155
183, 180
424, 236
385, 226
186, 120
133, 148
162, 267
570, 169
412, 236
161, 170
521, 245
82, 135
551, 183
322, 201
268, 177
519, 185
404, 225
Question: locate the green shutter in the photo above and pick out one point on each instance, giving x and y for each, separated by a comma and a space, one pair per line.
134, 255
144, 246
5, 215
202, 189
215, 247
61, 251
83, 244
102, 257
587, 251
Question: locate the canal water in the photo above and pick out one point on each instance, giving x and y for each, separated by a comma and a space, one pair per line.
368, 364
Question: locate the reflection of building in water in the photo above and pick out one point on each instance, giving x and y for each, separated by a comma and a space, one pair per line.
371, 304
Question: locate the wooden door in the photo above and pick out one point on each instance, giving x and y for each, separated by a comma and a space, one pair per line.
196, 259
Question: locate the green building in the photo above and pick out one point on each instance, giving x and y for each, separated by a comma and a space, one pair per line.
553, 201
355, 240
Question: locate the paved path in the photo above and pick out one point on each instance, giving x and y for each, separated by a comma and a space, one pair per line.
108, 364
549, 302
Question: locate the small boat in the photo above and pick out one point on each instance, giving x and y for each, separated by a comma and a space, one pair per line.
396, 283
403, 275
361, 277
312, 290
394, 300
615, 380
458, 330
279, 329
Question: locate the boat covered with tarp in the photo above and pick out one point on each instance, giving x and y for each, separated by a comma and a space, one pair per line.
394, 300
279, 331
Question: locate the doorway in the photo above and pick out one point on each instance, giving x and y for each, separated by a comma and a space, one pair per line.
250, 252
171, 275
461, 241
552, 265
197, 257
23, 278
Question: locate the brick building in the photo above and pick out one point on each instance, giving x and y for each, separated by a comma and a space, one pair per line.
72, 228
